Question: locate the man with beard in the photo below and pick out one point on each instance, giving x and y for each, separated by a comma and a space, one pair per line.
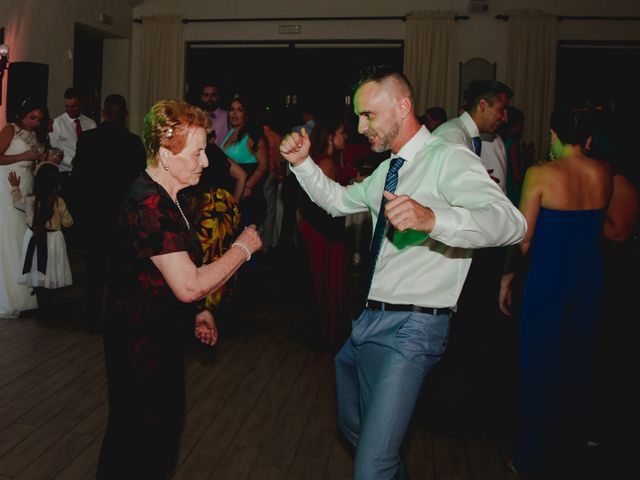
444, 205
210, 103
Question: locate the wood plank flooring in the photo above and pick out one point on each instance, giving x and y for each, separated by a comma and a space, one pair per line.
260, 406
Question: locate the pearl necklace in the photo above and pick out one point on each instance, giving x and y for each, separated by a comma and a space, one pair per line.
175, 201
182, 213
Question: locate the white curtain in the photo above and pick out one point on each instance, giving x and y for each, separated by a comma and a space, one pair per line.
429, 52
531, 73
162, 59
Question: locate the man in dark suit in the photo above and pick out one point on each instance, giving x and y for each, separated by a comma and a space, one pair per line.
108, 159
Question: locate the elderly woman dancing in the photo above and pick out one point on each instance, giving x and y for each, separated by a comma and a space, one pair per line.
156, 293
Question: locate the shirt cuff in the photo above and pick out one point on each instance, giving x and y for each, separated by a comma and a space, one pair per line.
304, 168
444, 221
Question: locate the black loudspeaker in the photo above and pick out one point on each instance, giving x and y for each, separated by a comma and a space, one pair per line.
25, 79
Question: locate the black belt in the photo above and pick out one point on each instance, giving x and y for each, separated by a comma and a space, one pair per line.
393, 307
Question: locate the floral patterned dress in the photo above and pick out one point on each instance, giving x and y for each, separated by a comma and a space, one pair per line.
217, 224
216, 220
146, 332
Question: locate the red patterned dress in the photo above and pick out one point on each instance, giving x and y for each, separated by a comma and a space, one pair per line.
146, 334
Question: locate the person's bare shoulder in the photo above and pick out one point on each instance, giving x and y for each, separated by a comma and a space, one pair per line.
603, 168
536, 172
6, 135
545, 179
625, 187
8, 131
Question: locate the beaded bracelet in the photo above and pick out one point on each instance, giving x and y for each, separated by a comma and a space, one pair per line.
244, 247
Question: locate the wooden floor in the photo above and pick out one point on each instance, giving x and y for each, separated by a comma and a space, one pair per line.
260, 406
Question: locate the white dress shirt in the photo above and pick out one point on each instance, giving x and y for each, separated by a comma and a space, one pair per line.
470, 210
65, 137
494, 158
460, 130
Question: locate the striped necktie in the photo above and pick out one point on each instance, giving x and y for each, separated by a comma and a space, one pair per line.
390, 185
477, 145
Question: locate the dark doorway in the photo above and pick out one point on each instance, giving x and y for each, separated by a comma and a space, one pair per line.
87, 69
286, 76
600, 73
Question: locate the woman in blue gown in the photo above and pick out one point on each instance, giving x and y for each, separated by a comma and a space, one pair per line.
564, 201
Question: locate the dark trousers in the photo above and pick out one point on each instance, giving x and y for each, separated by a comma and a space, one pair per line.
146, 407
97, 262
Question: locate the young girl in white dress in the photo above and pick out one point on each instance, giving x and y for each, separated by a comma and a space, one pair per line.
44, 264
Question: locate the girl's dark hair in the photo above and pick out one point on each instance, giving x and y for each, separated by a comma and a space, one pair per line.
46, 185
250, 127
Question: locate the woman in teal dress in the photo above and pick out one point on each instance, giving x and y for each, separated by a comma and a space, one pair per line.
564, 202
245, 144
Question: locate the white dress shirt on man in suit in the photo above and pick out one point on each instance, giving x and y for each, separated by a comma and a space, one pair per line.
65, 137
478, 215
459, 130
494, 158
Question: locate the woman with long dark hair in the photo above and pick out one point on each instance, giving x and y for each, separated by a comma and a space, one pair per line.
323, 238
246, 145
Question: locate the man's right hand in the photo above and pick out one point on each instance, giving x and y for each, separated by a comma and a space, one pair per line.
295, 147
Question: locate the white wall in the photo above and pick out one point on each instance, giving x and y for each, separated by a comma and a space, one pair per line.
332, 8
480, 36
117, 63
43, 31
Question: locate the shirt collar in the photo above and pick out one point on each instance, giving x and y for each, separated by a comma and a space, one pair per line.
469, 124
414, 145
72, 120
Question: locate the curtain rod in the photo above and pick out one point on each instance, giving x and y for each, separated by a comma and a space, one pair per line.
561, 18
294, 19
